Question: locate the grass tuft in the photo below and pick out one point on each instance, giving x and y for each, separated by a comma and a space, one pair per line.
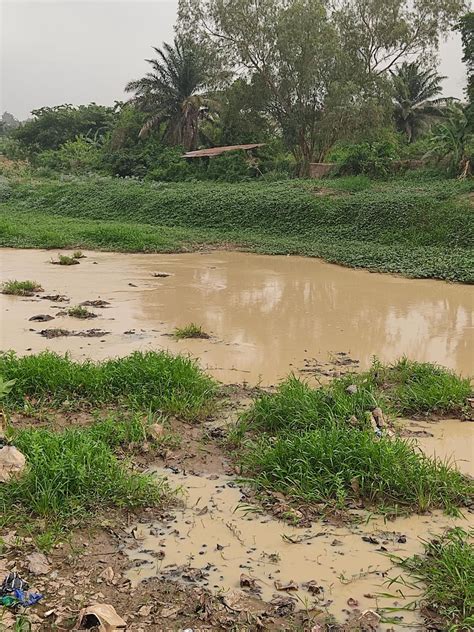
20, 288
71, 473
152, 381
77, 254
190, 331
79, 311
403, 388
336, 465
65, 260
446, 573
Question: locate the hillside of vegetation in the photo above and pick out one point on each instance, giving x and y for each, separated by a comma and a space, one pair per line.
416, 228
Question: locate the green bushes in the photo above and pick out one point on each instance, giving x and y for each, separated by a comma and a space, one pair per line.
155, 381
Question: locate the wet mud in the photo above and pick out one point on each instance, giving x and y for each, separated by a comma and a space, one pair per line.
217, 540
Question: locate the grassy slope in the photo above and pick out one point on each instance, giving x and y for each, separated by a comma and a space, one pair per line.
417, 229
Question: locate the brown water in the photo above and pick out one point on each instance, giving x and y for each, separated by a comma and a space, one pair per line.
267, 315
267, 550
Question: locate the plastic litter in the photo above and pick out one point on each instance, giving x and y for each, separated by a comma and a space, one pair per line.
102, 615
14, 592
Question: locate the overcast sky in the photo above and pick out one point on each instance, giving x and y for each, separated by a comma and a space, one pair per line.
78, 51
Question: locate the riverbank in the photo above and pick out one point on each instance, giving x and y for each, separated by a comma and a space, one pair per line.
416, 229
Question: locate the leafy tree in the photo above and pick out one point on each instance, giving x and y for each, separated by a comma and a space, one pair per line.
466, 27
323, 67
381, 33
453, 141
51, 127
413, 92
8, 123
173, 93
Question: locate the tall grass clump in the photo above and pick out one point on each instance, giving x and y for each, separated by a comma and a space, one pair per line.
336, 465
151, 380
20, 288
445, 573
71, 473
420, 387
405, 387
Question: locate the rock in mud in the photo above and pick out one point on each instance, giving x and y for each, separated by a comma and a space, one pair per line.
38, 564
41, 318
379, 418
156, 431
352, 389
102, 616
12, 463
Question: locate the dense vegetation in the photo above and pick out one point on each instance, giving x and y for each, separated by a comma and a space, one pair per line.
418, 228
153, 381
318, 445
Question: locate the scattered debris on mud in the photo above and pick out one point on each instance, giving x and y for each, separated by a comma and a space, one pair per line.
59, 332
95, 303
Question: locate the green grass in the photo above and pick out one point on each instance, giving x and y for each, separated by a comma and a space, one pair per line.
190, 331
445, 572
66, 260
422, 229
317, 444
156, 381
403, 388
73, 472
335, 465
79, 311
20, 288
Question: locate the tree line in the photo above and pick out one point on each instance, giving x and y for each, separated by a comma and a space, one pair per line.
352, 80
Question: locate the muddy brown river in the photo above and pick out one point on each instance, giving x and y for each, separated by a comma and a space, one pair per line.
267, 315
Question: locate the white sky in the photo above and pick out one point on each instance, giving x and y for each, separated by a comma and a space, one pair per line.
78, 51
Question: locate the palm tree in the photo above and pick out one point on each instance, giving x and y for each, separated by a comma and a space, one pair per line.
452, 141
173, 92
413, 92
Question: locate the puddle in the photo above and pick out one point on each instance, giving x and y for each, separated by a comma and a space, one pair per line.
451, 440
268, 315
212, 533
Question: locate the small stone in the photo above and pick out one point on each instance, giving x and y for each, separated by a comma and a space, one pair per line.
351, 389
38, 564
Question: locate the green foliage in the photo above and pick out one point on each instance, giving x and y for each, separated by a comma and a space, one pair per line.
51, 127
407, 225
335, 464
403, 388
72, 473
452, 141
414, 107
5, 387
444, 574
373, 159
20, 288
66, 260
77, 156
79, 311
190, 331
420, 387
155, 381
